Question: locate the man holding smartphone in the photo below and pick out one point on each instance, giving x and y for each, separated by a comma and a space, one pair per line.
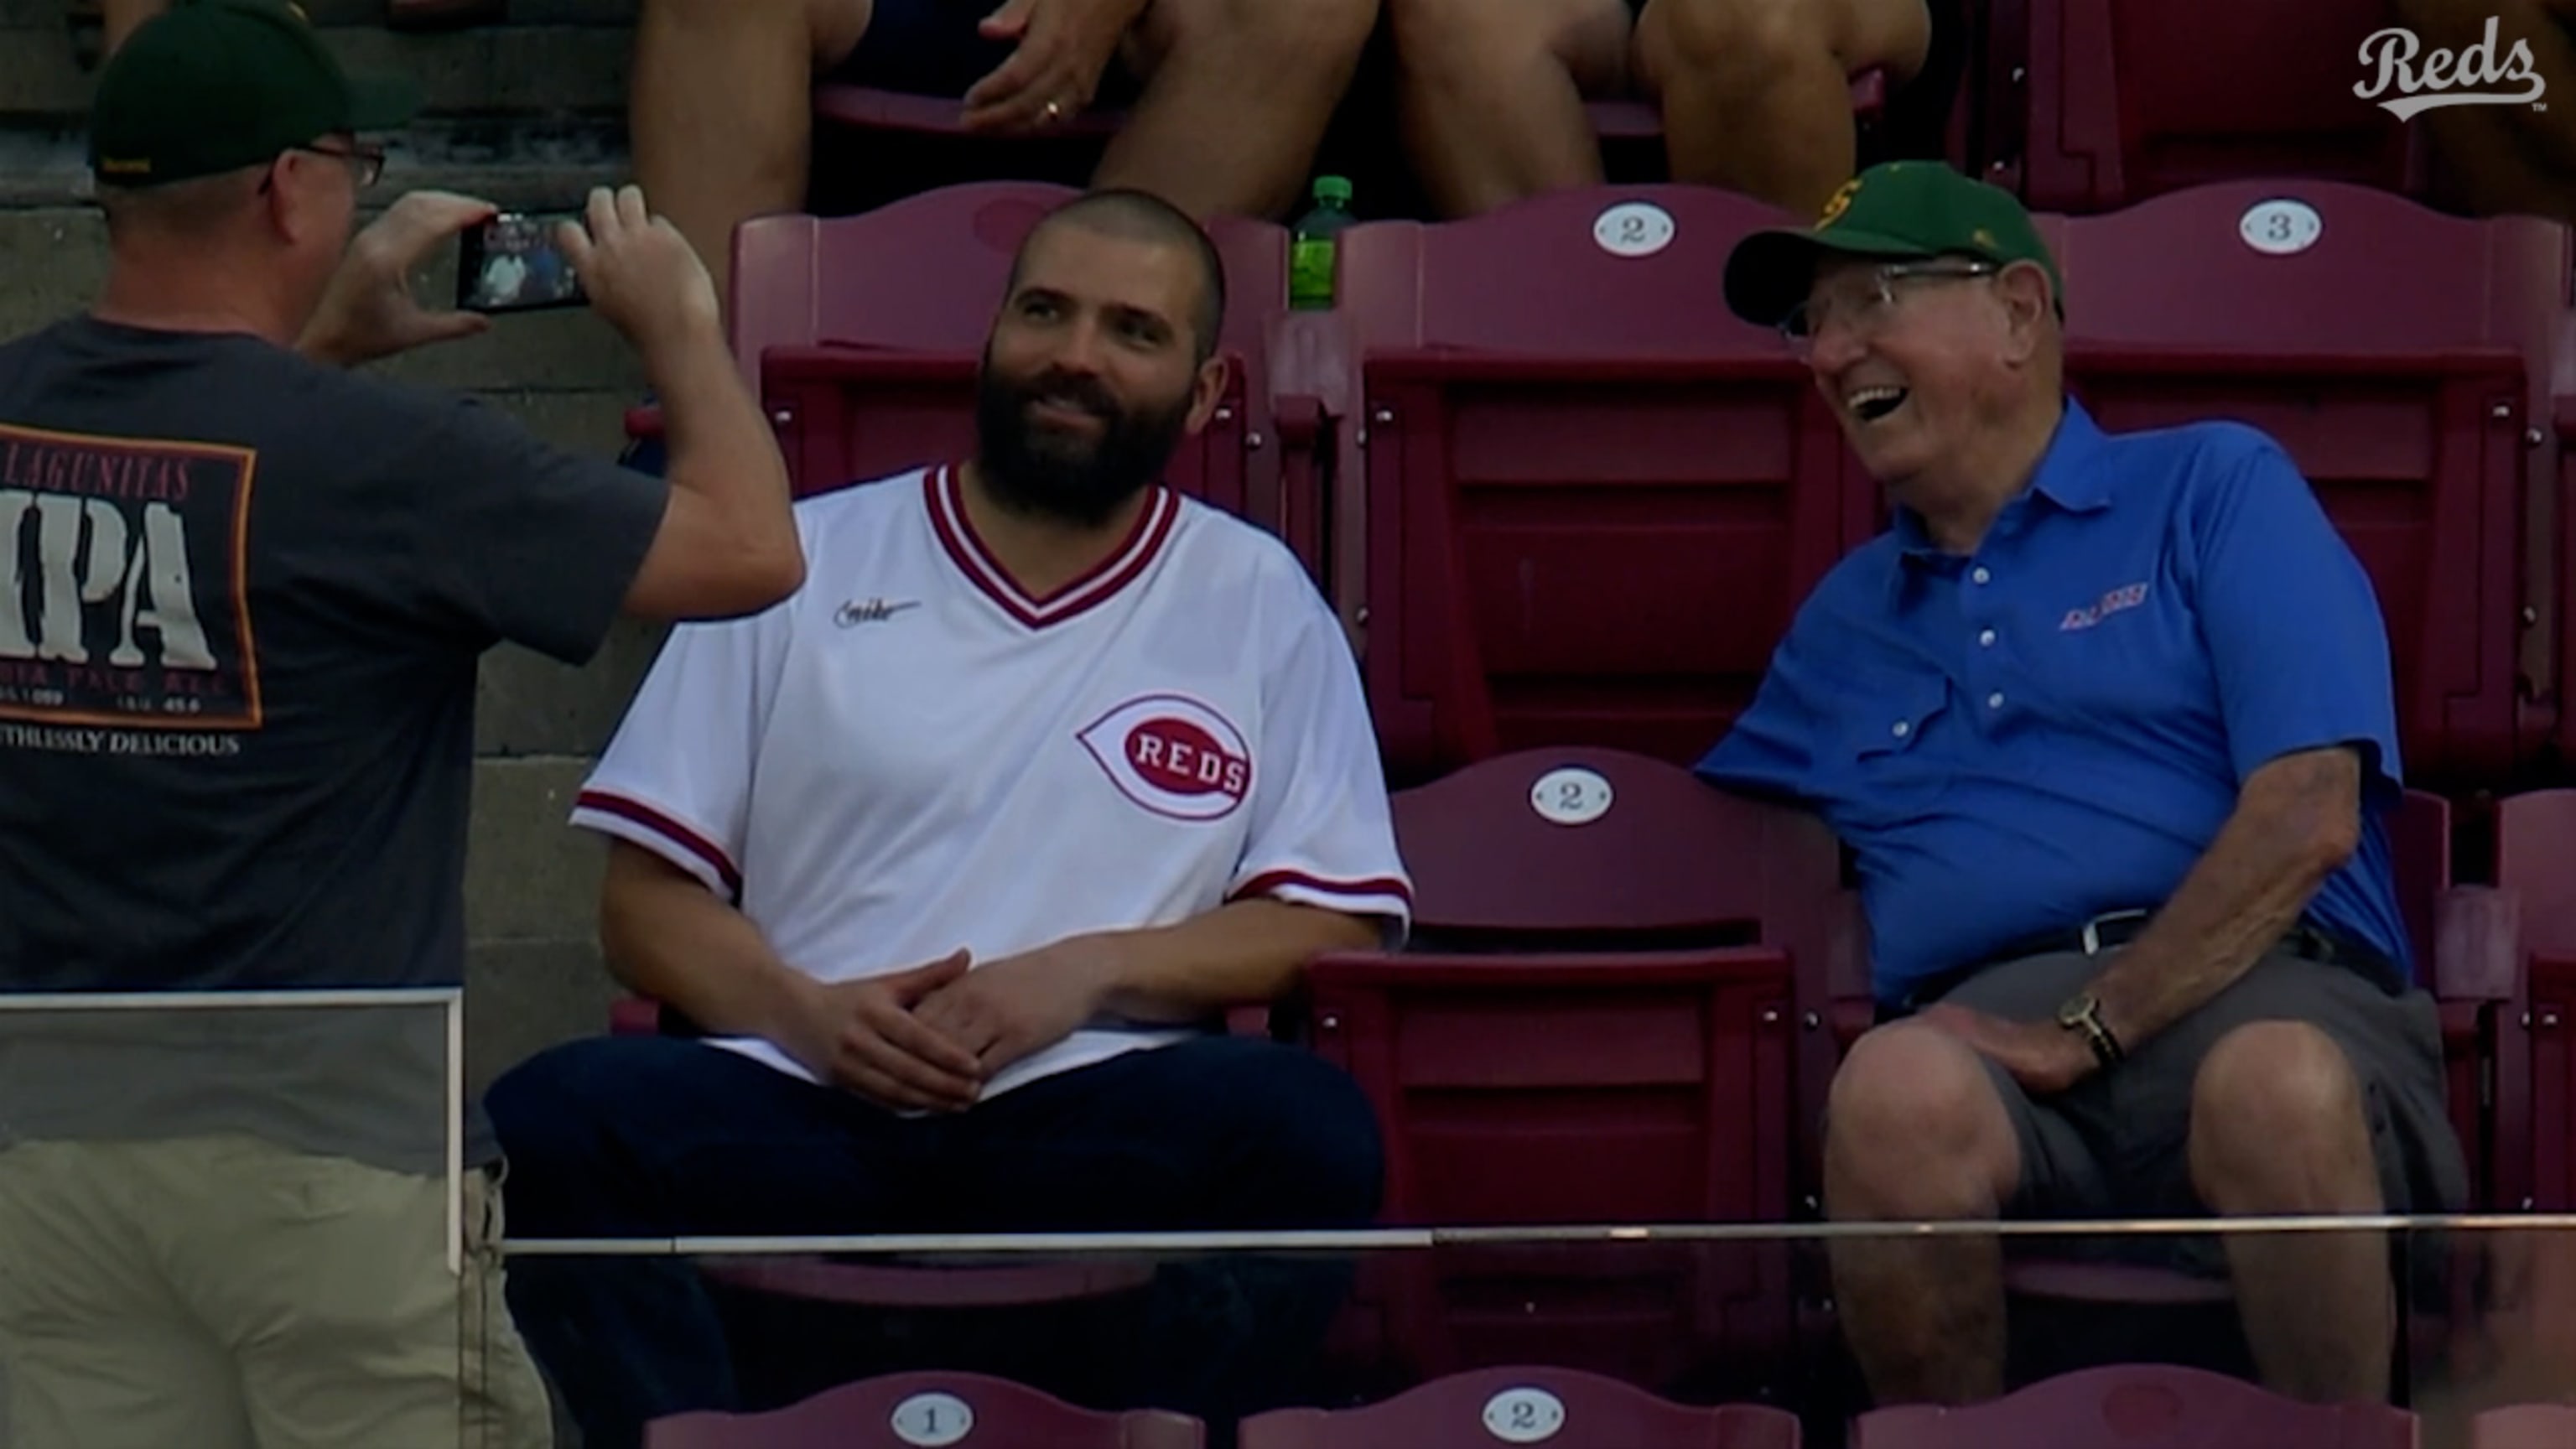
242, 598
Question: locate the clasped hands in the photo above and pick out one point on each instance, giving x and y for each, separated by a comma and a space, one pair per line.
929, 1038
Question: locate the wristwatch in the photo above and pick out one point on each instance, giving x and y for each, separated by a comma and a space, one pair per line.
2082, 1014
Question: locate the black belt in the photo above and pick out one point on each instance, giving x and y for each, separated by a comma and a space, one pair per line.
2119, 928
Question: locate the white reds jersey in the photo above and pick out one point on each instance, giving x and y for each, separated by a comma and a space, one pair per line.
911, 755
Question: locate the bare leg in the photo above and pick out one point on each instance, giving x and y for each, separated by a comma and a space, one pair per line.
1237, 96
1490, 94
1916, 1133
2277, 1129
1757, 93
722, 114
2500, 160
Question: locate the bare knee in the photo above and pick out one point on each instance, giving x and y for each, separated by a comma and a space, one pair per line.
1914, 1128
1311, 37
1732, 39
2276, 1121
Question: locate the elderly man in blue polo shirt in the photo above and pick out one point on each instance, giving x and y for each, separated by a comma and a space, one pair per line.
2107, 721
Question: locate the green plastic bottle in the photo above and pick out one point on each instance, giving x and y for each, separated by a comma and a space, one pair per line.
1312, 249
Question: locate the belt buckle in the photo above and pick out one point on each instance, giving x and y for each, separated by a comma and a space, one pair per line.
2092, 935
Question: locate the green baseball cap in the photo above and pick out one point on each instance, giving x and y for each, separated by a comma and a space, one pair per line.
1897, 210
211, 86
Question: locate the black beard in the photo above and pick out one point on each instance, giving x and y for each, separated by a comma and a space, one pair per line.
1036, 471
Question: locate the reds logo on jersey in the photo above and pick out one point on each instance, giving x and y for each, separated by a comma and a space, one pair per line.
1173, 756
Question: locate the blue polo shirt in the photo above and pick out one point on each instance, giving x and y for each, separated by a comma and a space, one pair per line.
2056, 727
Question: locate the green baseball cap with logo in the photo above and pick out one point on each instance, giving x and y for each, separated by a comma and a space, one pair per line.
211, 86
1900, 210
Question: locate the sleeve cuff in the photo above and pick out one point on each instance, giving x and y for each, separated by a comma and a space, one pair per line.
1389, 897
640, 824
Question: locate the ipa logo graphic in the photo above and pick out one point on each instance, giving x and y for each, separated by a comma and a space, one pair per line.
2396, 61
123, 591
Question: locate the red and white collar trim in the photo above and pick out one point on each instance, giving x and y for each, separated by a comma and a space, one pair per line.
943, 491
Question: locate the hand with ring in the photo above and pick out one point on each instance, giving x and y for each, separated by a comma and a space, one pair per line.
1060, 49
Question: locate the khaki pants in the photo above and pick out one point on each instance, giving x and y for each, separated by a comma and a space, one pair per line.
224, 1293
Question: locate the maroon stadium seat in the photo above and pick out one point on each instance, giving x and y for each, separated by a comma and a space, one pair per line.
2561, 541
2400, 355
1595, 1023
2536, 1078
2138, 1407
1561, 1408
861, 335
2089, 105
1579, 500
900, 1411
2524, 1426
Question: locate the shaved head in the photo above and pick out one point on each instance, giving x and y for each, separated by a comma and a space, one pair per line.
1141, 216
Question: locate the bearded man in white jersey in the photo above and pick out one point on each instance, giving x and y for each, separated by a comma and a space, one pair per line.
958, 857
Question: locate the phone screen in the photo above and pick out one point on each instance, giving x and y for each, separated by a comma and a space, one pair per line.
512, 264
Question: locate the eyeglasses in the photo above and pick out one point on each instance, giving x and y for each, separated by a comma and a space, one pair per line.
366, 163
1867, 310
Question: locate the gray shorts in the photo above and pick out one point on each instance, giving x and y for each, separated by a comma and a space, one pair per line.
2114, 1144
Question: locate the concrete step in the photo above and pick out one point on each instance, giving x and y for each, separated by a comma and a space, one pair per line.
534, 165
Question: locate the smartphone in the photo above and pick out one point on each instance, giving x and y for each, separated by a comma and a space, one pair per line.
512, 263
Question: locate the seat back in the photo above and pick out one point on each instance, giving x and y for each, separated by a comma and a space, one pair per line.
1562, 1408
899, 1411
1591, 848
1586, 499
1594, 1023
2093, 104
862, 335
2137, 1406
2521, 1426
2536, 1071
2396, 354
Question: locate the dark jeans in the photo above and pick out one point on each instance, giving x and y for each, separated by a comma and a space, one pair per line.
658, 1137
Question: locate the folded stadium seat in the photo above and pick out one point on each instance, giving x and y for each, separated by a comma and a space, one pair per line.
1577, 501
2088, 105
1562, 1408
900, 1411
2402, 357
2536, 1074
1591, 1025
861, 336
2463, 938
2138, 1407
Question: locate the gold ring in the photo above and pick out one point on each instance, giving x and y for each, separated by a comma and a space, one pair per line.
1054, 111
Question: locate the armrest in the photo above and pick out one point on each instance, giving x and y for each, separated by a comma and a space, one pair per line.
643, 423
2477, 951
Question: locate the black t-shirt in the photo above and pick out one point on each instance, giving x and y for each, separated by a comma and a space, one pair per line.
242, 601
